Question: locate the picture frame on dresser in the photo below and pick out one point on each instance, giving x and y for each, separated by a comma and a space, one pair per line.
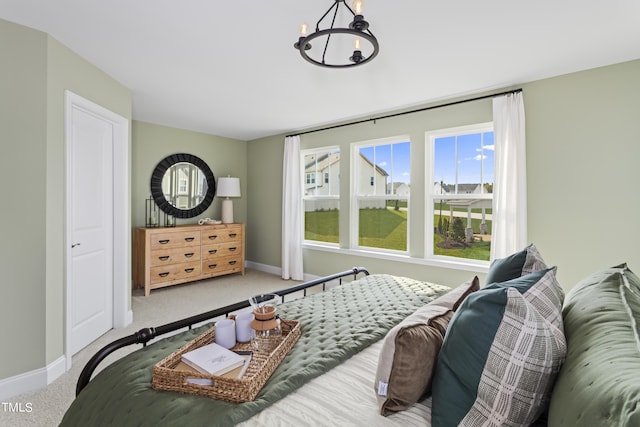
186, 253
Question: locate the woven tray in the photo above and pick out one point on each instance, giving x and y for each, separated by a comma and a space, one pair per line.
244, 389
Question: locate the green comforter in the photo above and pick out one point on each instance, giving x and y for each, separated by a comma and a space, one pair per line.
335, 325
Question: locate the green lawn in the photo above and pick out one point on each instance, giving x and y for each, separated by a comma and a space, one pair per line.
386, 228
321, 226
477, 250
383, 228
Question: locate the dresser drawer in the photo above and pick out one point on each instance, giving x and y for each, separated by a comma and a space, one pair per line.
174, 256
230, 233
229, 264
220, 250
176, 239
168, 273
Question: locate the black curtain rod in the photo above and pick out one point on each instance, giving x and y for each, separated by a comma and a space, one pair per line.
373, 119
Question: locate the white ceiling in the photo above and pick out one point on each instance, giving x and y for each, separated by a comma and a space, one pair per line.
229, 67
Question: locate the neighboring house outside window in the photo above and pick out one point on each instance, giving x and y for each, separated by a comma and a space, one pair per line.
321, 197
460, 192
381, 181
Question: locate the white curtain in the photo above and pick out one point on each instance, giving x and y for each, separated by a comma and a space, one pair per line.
509, 233
292, 210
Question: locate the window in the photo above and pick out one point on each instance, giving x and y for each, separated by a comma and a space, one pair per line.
311, 178
381, 183
460, 192
321, 199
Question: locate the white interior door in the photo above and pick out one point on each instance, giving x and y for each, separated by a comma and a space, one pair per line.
90, 279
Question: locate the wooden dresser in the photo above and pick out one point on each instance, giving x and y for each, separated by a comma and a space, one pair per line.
168, 256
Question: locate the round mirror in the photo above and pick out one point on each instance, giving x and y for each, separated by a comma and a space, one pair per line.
182, 185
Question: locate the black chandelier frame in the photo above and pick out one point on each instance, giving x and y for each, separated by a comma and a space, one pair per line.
359, 27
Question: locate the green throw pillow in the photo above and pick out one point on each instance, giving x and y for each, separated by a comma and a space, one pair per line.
598, 384
520, 263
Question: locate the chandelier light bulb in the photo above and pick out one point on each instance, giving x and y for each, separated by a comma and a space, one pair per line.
303, 30
356, 43
357, 6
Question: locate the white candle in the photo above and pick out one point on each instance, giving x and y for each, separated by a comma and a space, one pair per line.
226, 333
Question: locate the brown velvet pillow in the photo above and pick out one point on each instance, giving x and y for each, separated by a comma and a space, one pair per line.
410, 350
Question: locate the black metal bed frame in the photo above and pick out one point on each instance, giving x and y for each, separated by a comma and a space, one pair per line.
143, 336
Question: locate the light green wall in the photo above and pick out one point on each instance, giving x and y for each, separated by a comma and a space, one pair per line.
36, 72
582, 151
23, 165
151, 143
583, 148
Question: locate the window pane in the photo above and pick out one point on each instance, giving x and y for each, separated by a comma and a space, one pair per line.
462, 230
383, 224
383, 170
321, 195
469, 164
488, 164
321, 220
444, 170
322, 173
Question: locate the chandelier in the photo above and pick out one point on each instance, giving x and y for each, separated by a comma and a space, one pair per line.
352, 44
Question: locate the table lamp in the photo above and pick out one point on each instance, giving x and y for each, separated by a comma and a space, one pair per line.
228, 187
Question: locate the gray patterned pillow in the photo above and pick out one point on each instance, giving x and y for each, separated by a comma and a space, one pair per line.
542, 290
498, 362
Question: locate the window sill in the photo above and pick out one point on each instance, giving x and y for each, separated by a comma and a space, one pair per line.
442, 262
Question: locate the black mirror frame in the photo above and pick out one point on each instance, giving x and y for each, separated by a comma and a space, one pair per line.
156, 185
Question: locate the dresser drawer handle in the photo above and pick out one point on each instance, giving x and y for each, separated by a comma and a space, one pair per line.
233, 249
163, 258
163, 242
213, 251
213, 237
232, 235
189, 270
189, 255
163, 274
232, 262
212, 266
189, 239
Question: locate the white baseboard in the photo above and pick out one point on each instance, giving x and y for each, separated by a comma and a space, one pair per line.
56, 369
264, 267
33, 380
275, 270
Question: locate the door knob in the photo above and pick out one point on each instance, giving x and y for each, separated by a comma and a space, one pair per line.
74, 245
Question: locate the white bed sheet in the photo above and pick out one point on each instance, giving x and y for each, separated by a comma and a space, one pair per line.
344, 396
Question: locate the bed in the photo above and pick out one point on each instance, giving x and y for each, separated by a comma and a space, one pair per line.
327, 378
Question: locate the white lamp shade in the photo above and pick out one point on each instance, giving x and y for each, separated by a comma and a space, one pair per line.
228, 187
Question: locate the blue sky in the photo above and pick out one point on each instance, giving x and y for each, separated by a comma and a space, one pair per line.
471, 149
395, 159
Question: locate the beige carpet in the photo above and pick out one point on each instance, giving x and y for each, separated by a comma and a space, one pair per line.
162, 306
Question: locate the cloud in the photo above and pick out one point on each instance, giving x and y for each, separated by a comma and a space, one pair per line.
479, 157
